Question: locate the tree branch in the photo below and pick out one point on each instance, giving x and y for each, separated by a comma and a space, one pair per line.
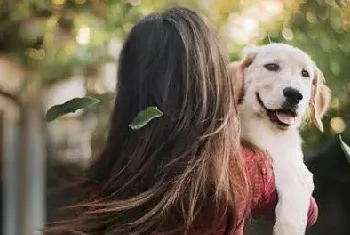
11, 97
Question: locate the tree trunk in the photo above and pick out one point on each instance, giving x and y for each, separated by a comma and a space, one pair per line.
32, 166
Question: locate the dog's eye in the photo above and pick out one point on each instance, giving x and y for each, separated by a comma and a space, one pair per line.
305, 73
272, 67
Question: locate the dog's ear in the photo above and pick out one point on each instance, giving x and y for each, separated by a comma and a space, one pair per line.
249, 53
320, 99
236, 71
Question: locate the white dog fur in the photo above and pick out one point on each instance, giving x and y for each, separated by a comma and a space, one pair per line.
294, 183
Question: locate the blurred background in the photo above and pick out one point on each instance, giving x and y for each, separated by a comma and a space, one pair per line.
54, 50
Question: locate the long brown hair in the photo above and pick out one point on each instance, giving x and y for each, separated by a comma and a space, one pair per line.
163, 177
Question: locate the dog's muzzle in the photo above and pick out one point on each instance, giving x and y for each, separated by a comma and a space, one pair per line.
286, 116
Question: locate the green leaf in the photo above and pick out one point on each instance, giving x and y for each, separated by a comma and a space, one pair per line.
345, 148
145, 116
69, 106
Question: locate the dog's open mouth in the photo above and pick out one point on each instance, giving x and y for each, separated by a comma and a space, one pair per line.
283, 117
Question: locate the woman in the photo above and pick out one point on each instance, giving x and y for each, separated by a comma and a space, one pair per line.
184, 172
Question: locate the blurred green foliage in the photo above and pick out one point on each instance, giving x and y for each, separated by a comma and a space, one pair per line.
43, 36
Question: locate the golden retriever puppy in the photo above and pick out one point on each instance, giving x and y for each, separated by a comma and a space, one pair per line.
276, 86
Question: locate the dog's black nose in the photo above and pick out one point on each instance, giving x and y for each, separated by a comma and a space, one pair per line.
293, 96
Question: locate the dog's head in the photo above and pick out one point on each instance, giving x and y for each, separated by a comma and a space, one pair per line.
279, 82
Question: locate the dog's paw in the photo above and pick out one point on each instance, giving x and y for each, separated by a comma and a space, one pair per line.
291, 213
286, 226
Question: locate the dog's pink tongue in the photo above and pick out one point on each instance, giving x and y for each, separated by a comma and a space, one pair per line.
285, 118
